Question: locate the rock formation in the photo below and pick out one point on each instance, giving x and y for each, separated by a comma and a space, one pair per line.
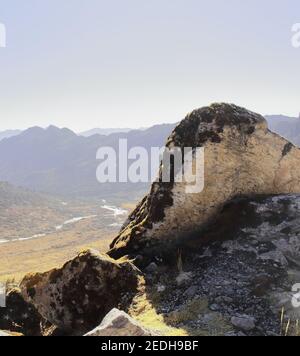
77, 296
242, 158
118, 323
242, 285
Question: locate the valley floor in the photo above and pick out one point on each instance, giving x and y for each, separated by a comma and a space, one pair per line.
45, 253
48, 242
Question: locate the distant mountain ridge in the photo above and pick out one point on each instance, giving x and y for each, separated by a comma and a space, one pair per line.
11, 195
286, 126
9, 133
105, 132
58, 161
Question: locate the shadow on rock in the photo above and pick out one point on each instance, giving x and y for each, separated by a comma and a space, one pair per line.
240, 282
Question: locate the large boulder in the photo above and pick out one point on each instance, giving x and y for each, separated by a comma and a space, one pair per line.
77, 296
242, 158
118, 323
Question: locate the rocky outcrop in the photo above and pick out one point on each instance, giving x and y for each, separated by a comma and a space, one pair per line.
76, 297
242, 158
118, 323
245, 323
246, 279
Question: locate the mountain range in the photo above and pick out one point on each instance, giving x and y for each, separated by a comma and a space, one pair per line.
288, 127
88, 133
9, 133
60, 162
106, 132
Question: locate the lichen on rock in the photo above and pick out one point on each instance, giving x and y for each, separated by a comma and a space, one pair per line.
77, 296
242, 158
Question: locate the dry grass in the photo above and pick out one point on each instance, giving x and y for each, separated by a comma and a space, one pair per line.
43, 254
288, 327
176, 323
129, 206
143, 310
188, 312
191, 311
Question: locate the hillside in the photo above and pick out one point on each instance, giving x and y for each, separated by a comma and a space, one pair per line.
59, 162
11, 196
25, 214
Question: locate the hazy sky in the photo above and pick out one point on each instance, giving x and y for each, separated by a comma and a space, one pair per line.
132, 63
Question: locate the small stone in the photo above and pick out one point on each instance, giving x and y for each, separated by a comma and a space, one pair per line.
240, 334
118, 323
230, 334
214, 307
254, 243
261, 284
207, 253
226, 283
161, 288
275, 256
152, 268
183, 277
244, 323
208, 318
272, 334
226, 300
190, 292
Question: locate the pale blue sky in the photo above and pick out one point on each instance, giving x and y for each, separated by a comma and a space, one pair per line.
120, 63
